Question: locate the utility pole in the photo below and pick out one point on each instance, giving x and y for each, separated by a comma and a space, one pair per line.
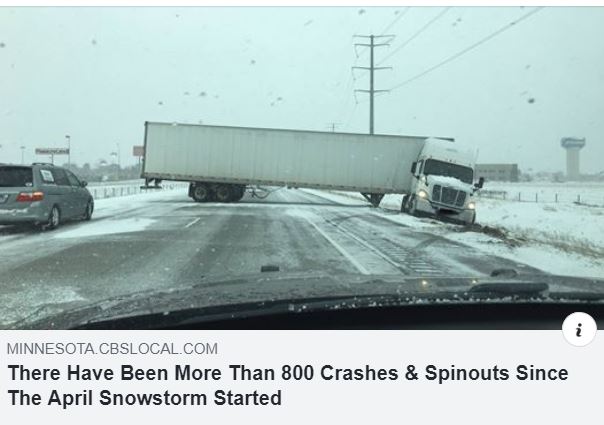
372, 68
22, 155
68, 137
332, 126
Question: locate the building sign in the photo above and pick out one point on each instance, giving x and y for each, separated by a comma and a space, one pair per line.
52, 151
138, 151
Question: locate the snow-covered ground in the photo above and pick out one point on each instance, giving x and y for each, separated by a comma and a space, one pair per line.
562, 238
126, 188
591, 193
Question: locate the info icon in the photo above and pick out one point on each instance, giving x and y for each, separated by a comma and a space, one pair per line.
579, 329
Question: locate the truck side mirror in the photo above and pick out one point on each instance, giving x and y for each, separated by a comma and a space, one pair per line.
480, 183
413, 166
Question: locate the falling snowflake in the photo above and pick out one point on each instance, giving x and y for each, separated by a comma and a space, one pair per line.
160, 103
361, 11
2, 45
531, 100
252, 62
93, 42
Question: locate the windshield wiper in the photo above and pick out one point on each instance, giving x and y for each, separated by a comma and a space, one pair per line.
511, 289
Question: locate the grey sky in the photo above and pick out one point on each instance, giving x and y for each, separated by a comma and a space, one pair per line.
98, 73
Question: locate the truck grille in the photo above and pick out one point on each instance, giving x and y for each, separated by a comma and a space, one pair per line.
448, 196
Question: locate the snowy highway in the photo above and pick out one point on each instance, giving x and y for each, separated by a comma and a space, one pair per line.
164, 240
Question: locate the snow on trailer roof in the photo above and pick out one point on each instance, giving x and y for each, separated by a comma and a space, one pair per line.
449, 139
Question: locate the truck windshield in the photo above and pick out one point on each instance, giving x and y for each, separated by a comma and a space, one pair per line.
15, 176
440, 168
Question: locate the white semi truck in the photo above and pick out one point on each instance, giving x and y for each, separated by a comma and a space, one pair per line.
221, 162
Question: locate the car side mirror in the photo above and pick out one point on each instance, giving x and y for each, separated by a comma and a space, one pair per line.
83, 183
480, 183
413, 166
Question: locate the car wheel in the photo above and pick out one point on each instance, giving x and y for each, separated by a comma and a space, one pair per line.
89, 211
54, 219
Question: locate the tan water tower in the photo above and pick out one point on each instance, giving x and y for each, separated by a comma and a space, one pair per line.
572, 145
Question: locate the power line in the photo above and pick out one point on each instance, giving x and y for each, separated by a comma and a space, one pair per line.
416, 34
396, 19
469, 48
390, 25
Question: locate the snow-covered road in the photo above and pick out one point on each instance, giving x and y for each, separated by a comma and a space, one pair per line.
164, 240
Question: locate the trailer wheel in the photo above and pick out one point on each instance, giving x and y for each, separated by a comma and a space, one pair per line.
238, 192
201, 193
224, 193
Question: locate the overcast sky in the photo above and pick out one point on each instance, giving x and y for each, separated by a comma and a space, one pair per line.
98, 74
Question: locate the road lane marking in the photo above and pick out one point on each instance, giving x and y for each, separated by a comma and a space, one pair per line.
193, 222
342, 251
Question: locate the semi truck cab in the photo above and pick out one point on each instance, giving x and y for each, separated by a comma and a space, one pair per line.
442, 183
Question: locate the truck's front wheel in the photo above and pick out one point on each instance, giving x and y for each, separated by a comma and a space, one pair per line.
201, 193
404, 203
411, 206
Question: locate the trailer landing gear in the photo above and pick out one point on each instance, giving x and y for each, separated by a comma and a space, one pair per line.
374, 198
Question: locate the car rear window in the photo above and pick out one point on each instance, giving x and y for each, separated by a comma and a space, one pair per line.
16, 177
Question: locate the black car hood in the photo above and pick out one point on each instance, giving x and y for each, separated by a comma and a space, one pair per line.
299, 287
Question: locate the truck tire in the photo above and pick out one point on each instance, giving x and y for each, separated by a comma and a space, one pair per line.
238, 192
224, 193
411, 210
404, 203
201, 193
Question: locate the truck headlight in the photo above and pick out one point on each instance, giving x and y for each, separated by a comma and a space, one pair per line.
472, 206
422, 194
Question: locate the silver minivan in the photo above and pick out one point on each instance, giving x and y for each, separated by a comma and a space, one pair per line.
42, 194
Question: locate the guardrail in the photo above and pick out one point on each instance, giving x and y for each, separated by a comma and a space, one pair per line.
117, 190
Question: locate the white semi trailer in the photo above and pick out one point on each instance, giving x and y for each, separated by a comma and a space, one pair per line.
220, 162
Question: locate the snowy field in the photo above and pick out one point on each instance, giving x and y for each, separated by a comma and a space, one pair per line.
562, 238
590, 193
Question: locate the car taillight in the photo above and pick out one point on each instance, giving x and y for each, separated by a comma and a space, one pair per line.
30, 196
